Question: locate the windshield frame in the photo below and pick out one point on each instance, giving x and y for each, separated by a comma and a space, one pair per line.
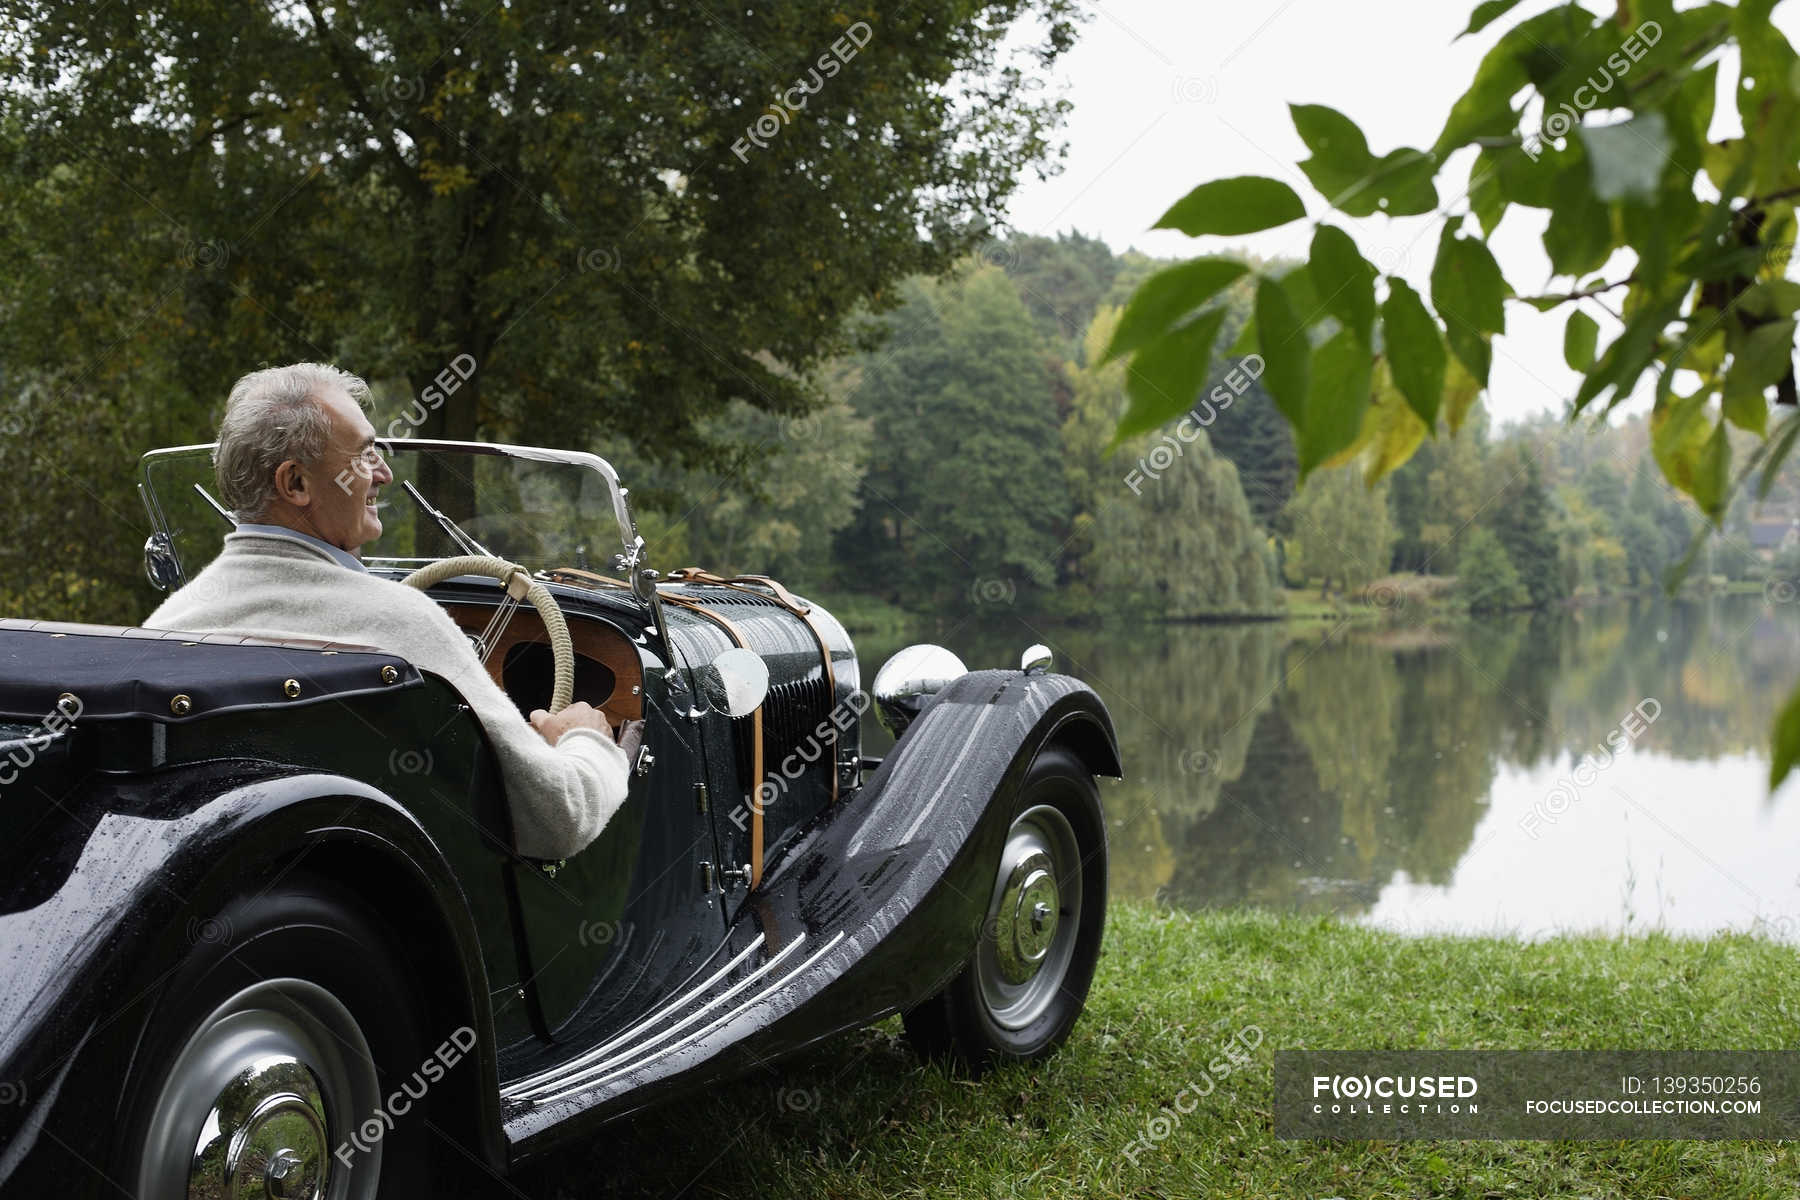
631, 556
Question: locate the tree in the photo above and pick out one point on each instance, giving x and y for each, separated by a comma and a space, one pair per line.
1522, 521
1341, 531
1183, 544
1704, 231
957, 504
1060, 279
1487, 581
627, 215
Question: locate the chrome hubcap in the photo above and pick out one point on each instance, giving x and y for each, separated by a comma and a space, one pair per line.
277, 1149
1029, 938
256, 1102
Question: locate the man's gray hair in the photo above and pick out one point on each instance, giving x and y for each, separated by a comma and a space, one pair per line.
273, 415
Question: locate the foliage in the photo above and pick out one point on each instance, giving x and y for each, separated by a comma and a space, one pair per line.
1340, 532
1062, 280
1487, 579
1707, 227
1186, 544
1522, 521
563, 192
962, 503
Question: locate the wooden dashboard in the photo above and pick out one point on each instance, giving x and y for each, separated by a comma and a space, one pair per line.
620, 675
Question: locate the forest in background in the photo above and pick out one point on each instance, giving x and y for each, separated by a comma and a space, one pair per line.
962, 462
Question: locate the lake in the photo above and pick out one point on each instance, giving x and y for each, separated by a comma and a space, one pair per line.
1598, 769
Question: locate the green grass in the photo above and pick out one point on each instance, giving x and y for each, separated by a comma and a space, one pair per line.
861, 1117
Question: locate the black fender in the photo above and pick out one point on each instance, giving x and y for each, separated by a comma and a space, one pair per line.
134, 879
958, 768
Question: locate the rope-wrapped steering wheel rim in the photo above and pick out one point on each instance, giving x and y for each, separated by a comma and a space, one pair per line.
562, 648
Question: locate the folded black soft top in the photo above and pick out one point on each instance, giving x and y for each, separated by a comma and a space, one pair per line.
120, 671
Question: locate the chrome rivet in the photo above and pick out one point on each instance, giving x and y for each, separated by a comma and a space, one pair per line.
390, 675
181, 705
291, 689
68, 703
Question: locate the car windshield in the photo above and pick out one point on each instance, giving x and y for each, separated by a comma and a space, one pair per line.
544, 509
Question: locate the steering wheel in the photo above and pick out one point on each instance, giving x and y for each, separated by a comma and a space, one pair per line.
519, 585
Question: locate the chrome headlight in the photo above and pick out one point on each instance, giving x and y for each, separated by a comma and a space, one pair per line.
909, 679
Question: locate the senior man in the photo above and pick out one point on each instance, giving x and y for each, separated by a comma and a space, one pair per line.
298, 466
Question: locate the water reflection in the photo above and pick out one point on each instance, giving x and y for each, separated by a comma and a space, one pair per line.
1432, 778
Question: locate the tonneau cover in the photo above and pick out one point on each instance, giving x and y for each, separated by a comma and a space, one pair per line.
122, 671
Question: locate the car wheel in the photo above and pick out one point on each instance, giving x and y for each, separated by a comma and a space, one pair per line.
265, 1061
1027, 980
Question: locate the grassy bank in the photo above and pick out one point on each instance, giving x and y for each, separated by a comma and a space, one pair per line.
860, 1117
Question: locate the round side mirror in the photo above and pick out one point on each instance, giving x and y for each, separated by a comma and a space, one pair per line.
736, 682
1036, 660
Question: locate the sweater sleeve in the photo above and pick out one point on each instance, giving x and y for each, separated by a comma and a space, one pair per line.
561, 797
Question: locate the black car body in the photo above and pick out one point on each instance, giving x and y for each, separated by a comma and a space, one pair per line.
763, 887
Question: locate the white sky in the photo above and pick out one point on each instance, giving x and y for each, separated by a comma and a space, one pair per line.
1171, 93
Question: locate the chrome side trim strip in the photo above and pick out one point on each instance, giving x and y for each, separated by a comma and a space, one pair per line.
701, 1035
587, 1057
581, 1078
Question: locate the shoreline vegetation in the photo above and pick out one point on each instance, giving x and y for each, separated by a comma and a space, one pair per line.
860, 1116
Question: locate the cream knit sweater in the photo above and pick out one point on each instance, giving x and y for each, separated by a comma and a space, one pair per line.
282, 587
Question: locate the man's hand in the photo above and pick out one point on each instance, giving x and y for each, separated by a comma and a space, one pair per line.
582, 715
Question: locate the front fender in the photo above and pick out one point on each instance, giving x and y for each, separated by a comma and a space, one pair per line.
130, 882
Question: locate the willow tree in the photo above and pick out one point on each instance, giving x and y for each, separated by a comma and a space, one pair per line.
1678, 242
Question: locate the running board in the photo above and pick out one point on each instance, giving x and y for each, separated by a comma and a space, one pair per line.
667, 1035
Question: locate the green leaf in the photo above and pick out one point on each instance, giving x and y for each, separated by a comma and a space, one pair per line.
1627, 159
1230, 207
1415, 349
1747, 409
1486, 110
1487, 199
1340, 396
1579, 237
1581, 336
1165, 376
1345, 281
1287, 354
1486, 13
1162, 300
1785, 751
1766, 355
1770, 298
1340, 159
1469, 293
1392, 429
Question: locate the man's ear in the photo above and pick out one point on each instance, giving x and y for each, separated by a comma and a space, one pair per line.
290, 483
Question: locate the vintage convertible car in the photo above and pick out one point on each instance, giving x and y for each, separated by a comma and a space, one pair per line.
264, 932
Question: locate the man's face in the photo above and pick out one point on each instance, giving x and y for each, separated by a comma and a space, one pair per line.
334, 499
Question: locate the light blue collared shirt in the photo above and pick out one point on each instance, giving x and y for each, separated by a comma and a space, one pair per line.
338, 552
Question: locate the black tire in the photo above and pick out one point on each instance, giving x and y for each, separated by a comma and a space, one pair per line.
968, 1022
286, 967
